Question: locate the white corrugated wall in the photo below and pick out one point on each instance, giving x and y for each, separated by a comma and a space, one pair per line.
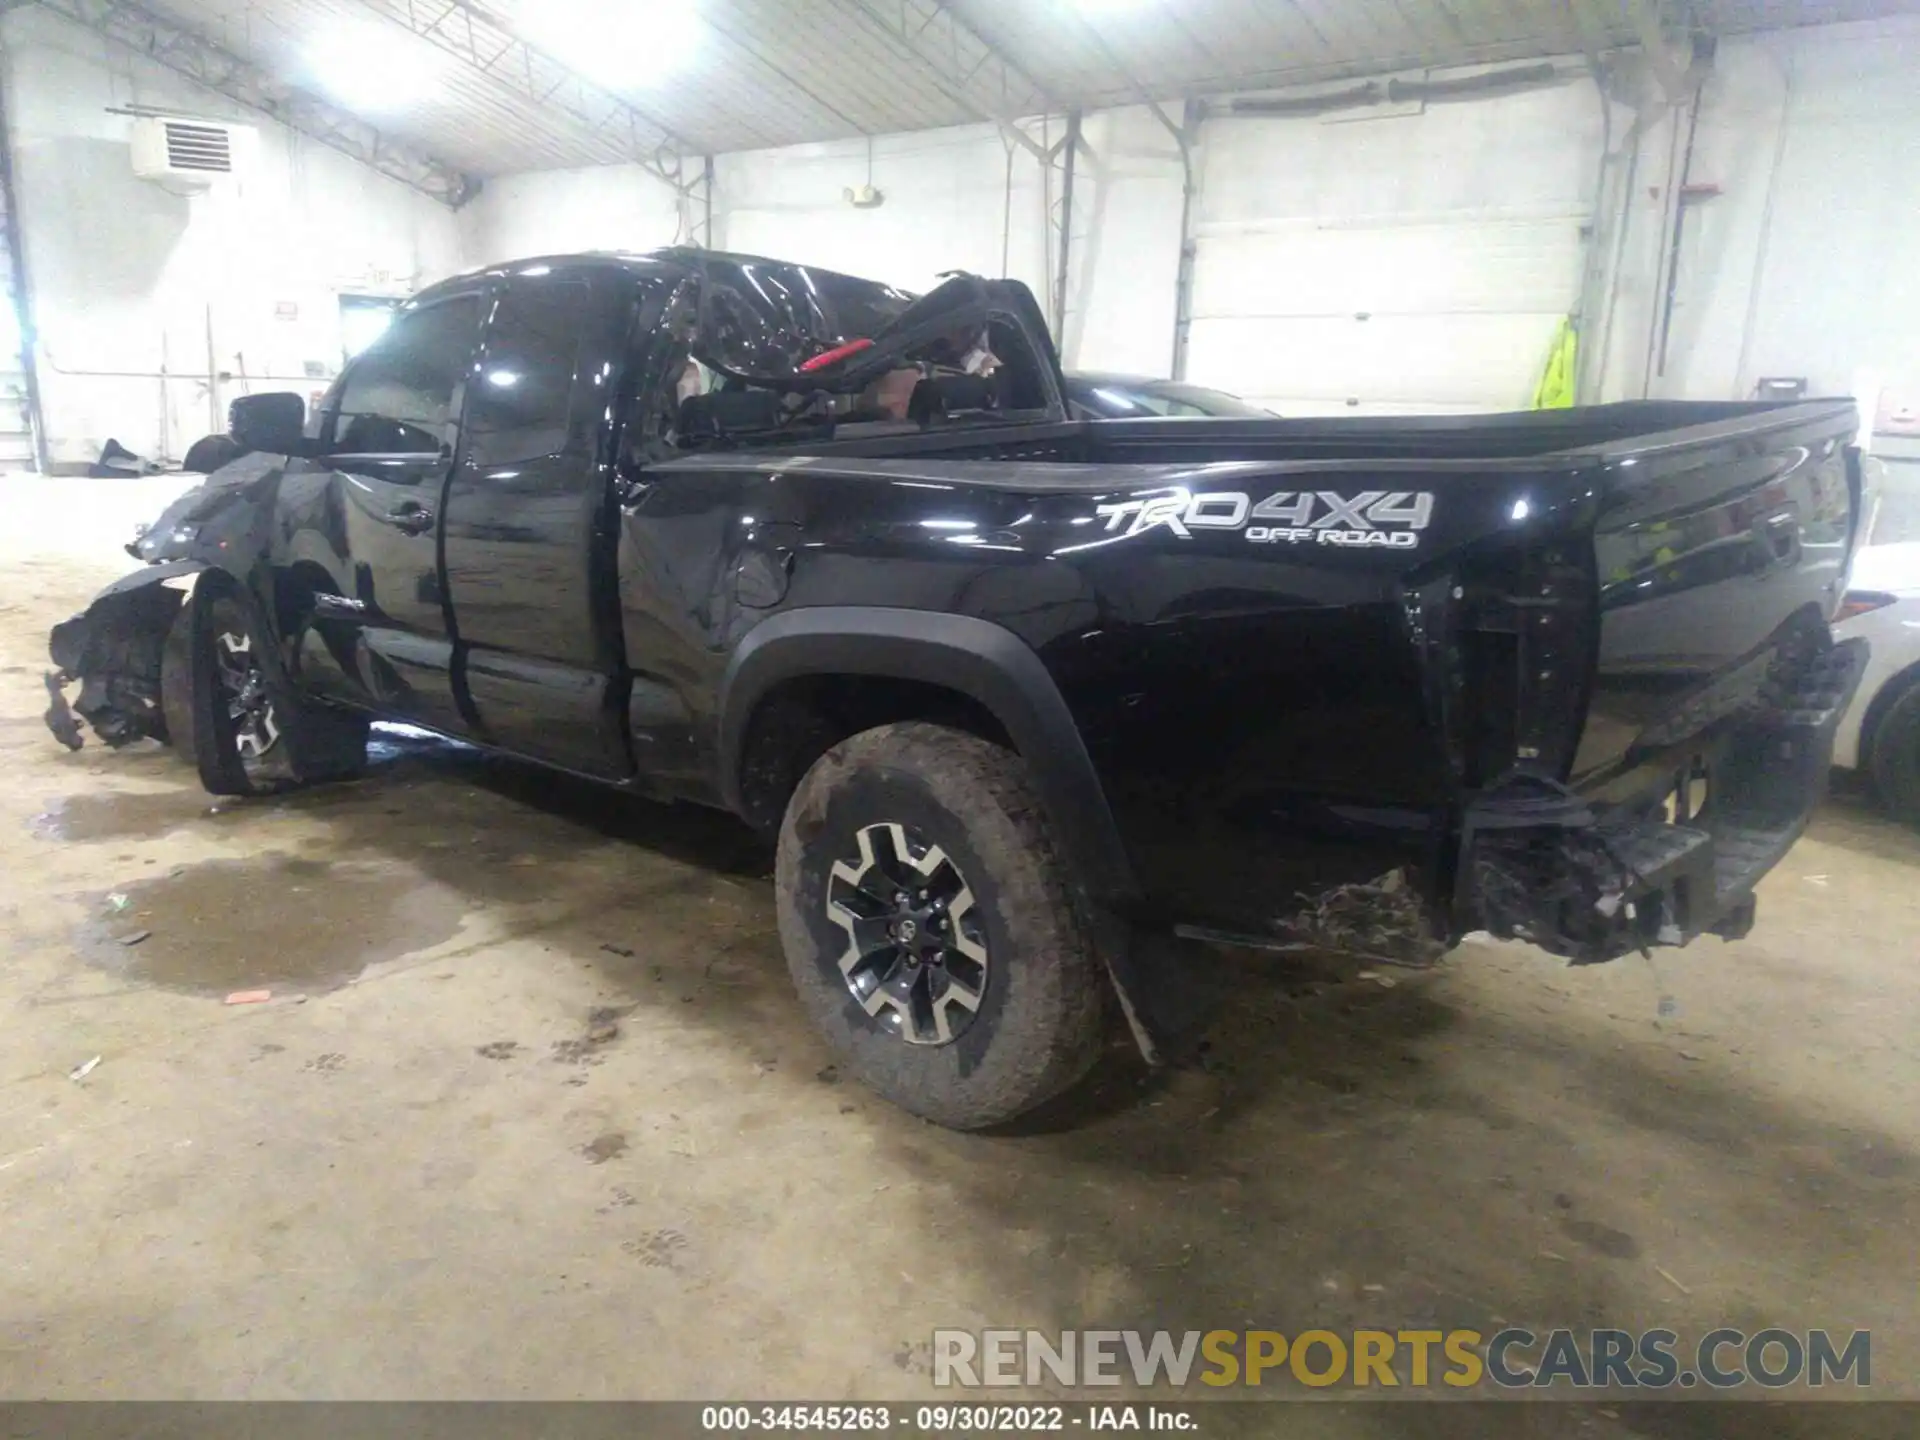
156, 308
1808, 262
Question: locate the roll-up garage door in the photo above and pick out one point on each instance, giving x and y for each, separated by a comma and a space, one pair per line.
1418, 260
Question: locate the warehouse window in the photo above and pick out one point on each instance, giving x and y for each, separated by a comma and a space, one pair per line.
398, 396
363, 320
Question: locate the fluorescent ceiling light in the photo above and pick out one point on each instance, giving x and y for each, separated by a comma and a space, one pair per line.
620, 44
373, 69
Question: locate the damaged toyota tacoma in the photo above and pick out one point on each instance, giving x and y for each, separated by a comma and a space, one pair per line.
1039, 709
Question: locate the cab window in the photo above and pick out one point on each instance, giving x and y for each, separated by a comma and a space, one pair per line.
398, 397
522, 395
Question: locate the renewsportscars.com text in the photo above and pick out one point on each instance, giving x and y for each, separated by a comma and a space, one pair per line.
1513, 1358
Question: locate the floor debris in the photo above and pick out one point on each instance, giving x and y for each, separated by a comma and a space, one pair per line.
59, 717
602, 1148
135, 938
249, 997
603, 1025
80, 1072
1668, 1276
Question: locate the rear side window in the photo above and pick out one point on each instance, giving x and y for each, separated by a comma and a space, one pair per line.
522, 395
397, 398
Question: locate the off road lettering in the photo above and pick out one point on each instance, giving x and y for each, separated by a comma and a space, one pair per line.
1381, 518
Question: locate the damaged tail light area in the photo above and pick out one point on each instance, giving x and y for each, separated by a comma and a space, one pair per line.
1526, 633
1664, 852
1538, 862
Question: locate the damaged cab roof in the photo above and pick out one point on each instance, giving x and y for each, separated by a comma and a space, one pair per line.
777, 325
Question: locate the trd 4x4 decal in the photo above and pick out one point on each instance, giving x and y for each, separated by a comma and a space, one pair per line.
1392, 518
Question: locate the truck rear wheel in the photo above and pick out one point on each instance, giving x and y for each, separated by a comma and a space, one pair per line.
230, 710
1894, 758
926, 922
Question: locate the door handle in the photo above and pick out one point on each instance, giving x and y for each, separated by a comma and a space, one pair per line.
1777, 539
412, 517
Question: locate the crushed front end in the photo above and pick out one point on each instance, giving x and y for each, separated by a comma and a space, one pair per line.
115, 649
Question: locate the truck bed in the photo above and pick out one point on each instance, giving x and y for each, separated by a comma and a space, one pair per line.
1597, 595
1606, 431
1710, 527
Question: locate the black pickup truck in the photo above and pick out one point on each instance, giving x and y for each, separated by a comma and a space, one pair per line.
1036, 707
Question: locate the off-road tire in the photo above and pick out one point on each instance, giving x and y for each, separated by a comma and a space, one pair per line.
1893, 759
1042, 1015
315, 744
176, 682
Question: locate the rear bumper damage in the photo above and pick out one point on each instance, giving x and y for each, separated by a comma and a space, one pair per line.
1594, 882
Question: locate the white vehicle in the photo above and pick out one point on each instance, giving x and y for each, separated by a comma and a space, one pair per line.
1881, 732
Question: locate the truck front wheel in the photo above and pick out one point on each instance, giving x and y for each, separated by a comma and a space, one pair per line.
926, 921
230, 710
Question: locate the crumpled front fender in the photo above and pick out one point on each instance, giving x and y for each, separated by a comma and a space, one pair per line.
114, 649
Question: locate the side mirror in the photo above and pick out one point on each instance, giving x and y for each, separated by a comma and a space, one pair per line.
273, 423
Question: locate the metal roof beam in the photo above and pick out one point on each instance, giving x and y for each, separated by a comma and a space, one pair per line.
473, 35
1670, 70
748, 48
1141, 94
190, 54
961, 64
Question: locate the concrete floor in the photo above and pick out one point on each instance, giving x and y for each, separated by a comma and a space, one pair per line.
431, 1167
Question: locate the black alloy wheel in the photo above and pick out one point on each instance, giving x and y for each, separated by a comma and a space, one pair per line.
930, 928
243, 691
916, 955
